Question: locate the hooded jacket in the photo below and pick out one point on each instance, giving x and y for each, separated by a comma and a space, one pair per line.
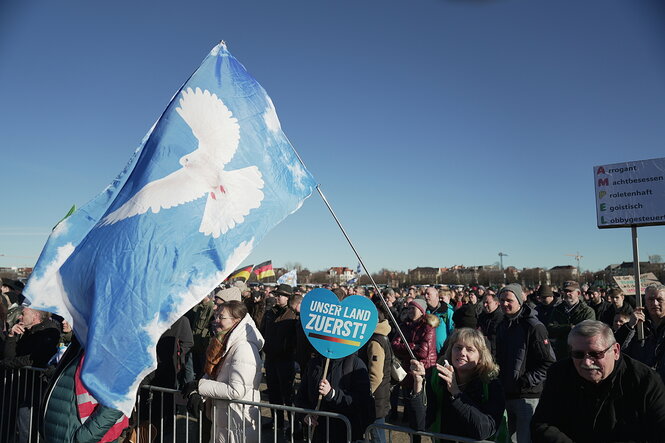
377, 355
523, 353
237, 379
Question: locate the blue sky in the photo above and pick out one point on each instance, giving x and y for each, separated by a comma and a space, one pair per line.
442, 132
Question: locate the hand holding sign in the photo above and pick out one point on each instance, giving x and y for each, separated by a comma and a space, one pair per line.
336, 329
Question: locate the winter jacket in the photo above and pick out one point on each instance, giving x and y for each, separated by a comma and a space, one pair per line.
612, 310
446, 324
562, 321
60, 415
628, 406
237, 379
523, 354
600, 309
468, 415
33, 348
280, 344
172, 348
488, 322
350, 396
274, 348
421, 338
377, 356
651, 352
544, 312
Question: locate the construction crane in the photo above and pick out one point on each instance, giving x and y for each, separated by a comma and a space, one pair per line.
578, 257
501, 255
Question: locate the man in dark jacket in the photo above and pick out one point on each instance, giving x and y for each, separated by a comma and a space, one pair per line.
570, 312
345, 390
597, 303
489, 320
279, 332
652, 351
546, 303
32, 341
524, 354
599, 394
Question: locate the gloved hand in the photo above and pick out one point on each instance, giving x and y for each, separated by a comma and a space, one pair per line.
194, 404
189, 388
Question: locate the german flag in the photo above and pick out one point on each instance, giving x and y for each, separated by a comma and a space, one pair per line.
241, 274
264, 270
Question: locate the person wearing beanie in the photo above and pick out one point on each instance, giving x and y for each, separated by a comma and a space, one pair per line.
546, 303
567, 314
466, 316
421, 339
524, 354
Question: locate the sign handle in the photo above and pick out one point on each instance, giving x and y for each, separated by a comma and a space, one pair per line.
325, 374
638, 289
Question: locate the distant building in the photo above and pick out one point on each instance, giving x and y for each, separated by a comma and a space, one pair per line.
341, 274
423, 275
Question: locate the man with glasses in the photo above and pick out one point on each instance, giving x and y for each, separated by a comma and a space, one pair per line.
652, 351
567, 314
599, 394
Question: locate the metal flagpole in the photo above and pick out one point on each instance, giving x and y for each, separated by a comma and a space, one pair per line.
638, 289
362, 263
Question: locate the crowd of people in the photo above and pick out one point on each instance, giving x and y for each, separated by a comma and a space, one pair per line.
504, 364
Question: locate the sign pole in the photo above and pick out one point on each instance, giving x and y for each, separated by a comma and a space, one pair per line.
636, 271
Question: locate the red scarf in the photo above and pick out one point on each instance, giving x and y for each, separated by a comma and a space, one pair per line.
87, 404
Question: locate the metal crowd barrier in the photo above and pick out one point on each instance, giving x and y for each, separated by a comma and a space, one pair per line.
21, 391
161, 416
410, 433
155, 423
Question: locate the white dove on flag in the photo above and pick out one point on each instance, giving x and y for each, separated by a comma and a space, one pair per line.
231, 194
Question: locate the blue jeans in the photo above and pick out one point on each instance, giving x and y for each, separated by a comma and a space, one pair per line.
520, 411
376, 434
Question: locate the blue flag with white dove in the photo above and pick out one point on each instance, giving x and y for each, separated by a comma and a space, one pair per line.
209, 180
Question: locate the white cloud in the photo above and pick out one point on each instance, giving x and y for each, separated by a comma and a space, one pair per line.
270, 117
48, 291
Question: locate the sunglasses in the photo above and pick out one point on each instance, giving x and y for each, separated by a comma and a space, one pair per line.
596, 355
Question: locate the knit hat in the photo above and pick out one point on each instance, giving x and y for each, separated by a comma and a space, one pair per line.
420, 304
240, 285
545, 291
516, 289
228, 294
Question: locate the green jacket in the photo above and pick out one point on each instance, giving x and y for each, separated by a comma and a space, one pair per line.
61, 423
562, 321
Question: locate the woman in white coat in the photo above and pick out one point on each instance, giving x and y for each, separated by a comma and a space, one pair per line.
233, 372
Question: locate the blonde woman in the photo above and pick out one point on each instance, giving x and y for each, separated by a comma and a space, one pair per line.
464, 395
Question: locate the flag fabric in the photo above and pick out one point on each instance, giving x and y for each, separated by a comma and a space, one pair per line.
209, 180
241, 274
359, 269
264, 270
353, 281
290, 278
